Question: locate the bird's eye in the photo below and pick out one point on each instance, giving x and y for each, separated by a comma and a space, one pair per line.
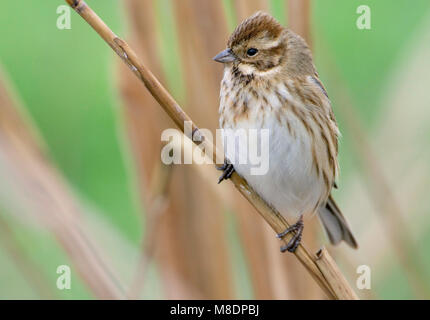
251, 52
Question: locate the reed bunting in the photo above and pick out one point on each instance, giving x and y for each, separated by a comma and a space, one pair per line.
270, 82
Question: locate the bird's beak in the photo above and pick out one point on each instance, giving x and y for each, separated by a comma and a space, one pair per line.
225, 56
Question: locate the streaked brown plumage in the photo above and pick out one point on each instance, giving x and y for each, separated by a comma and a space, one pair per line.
270, 82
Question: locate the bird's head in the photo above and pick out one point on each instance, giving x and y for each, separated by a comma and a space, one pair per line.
260, 44
256, 43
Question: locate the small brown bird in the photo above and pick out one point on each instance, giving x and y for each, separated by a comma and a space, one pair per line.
270, 82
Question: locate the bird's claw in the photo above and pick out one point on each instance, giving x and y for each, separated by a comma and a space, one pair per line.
294, 242
227, 169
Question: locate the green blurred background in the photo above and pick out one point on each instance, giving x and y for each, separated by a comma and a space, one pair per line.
66, 81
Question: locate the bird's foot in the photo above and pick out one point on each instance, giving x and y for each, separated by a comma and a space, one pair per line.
227, 169
294, 242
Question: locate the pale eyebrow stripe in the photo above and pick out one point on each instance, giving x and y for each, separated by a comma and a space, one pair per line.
271, 44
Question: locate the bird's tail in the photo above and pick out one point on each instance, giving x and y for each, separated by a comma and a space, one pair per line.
335, 224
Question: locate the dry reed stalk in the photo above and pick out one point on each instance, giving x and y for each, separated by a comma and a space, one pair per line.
144, 128
328, 267
156, 207
182, 228
166, 101
208, 223
299, 18
40, 187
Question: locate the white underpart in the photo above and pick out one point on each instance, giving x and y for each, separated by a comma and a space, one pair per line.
291, 185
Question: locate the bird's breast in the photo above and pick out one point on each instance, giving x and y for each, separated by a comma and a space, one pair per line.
282, 171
